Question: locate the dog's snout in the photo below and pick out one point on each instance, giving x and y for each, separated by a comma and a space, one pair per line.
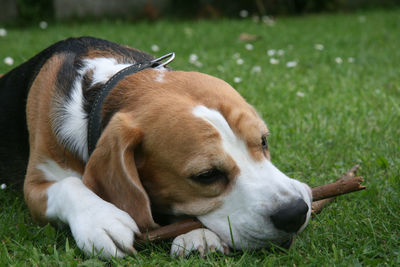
291, 217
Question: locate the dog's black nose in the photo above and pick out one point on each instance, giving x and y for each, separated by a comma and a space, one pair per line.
291, 217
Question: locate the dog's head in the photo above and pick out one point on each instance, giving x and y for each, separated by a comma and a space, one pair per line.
186, 143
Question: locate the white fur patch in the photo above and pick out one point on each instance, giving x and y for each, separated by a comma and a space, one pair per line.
160, 75
53, 172
103, 68
98, 227
202, 240
260, 190
71, 123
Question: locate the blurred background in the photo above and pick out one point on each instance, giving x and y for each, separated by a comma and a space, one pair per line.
28, 11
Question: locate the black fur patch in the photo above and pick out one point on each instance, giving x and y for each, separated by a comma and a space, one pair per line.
78, 49
14, 144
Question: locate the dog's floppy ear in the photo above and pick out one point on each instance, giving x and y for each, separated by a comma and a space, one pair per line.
111, 171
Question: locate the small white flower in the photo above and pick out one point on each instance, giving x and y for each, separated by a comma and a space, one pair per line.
339, 60
268, 20
237, 79
291, 64
9, 61
239, 61
3, 186
271, 52
319, 47
244, 13
43, 25
220, 68
273, 61
236, 56
249, 46
198, 64
155, 48
300, 94
255, 18
193, 58
280, 52
256, 69
3, 32
350, 59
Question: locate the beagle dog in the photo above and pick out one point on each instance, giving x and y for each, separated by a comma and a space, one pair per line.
119, 144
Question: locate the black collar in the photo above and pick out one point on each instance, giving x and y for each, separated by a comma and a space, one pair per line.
94, 124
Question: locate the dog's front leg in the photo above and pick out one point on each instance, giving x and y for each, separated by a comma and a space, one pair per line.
201, 240
97, 226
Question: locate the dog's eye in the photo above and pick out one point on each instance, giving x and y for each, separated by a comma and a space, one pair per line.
209, 177
264, 143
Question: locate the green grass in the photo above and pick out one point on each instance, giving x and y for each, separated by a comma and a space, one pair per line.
350, 113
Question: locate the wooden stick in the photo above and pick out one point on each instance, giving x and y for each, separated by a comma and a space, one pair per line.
318, 205
337, 188
348, 183
322, 195
171, 230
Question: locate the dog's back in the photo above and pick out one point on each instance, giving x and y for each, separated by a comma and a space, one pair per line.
14, 88
14, 145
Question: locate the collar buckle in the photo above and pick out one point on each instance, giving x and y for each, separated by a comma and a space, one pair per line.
158, 62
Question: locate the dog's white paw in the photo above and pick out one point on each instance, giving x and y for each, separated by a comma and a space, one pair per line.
201, 240
104, 230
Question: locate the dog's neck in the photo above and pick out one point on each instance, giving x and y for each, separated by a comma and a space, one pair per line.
97, 120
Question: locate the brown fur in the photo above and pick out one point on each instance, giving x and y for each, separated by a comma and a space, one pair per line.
43, 144
176, 144
111, 171
150, 147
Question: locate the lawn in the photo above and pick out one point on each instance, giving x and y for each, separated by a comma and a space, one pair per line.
331, 100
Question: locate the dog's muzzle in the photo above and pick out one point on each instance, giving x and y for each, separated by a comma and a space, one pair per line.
264, 209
